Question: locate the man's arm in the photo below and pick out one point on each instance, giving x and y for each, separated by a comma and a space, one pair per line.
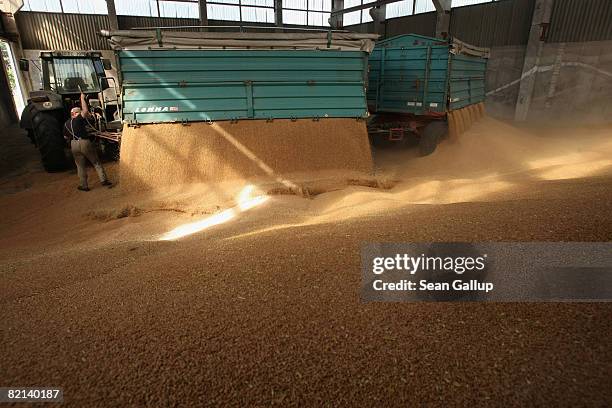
84, 109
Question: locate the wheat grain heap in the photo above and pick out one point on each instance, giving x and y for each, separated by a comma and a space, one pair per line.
161, 155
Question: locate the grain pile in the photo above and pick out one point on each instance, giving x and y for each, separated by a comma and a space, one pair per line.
264, 310
462, 120
495, 148
163, 155
493, 161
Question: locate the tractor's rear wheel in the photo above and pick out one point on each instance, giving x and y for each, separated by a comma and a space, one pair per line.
50, 141
31, 136
431, 136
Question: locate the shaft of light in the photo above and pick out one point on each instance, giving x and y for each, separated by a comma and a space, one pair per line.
245, 202
248, 203
192, 228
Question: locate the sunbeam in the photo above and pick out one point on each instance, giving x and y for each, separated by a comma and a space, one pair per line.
245, 202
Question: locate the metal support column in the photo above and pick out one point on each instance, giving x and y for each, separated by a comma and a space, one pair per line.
278, 13
443, 10
203, 12
336, 19
539, 25
112, 14
378, 15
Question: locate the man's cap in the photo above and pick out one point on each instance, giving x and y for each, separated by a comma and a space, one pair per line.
75, 110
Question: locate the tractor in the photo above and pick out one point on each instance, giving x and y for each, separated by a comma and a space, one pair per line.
64, 76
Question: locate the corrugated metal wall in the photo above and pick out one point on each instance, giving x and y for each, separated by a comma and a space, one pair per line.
422, 24
57, 31
499, 23
127, 22
584, 20
361, 28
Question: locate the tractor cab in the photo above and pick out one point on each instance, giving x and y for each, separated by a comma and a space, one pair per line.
68, 74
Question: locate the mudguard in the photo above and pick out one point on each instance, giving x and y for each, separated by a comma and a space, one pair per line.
39, 101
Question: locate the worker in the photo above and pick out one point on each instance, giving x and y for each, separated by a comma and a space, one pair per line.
83, 148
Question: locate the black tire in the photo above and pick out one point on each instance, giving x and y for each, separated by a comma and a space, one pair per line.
31, 136
50, 141
431, 136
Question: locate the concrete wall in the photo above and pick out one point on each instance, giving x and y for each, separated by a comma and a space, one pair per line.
503, 78
573, 83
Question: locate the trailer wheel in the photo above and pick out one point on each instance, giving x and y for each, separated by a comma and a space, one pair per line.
49, 140
431, 136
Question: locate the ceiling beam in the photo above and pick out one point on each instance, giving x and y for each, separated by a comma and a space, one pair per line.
363, 6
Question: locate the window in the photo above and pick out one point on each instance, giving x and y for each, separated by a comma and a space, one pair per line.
258, 14
256, 11
353, 17
459, 3
423, 6
85, 7
409, 7
294, 12
307, 12
146, 8
179, 9
356, 17
399, 9
226, 12
261, 3
365, 13
42, 5
295, 17
318, 19
72, 74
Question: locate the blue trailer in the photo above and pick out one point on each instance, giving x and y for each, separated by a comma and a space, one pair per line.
204, 85
208, 107
420, 85
208, 76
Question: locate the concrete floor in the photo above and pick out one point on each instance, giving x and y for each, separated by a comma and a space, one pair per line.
266, 311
